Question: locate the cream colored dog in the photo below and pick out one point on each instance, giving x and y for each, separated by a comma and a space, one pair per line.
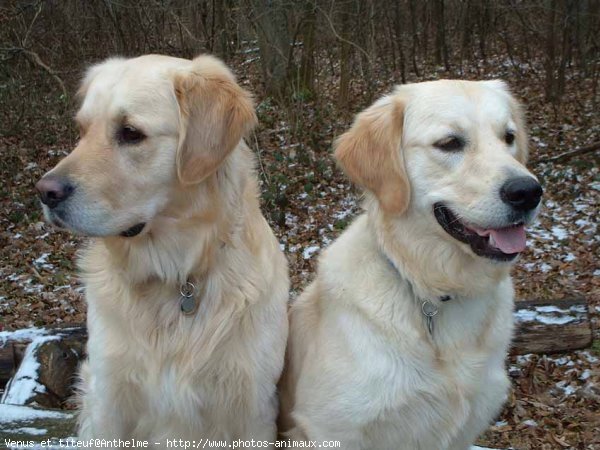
400, 341
185, 283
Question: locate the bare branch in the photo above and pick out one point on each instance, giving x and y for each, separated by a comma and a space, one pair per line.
570, 154
340, 38
34, 58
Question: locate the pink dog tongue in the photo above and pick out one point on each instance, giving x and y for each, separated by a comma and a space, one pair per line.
510, 240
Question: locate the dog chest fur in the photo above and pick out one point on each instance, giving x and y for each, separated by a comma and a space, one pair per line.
387, 381
195, 375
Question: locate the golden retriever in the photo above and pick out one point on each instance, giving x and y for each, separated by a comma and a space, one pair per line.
400, 341
185, 282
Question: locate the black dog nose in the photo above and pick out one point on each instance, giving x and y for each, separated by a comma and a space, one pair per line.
522, 193
53, 190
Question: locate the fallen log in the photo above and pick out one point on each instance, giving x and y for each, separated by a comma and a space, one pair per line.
560, 326
8, 363
43, 363
540, 327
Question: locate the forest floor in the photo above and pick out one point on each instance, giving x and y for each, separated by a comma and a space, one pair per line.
555, 398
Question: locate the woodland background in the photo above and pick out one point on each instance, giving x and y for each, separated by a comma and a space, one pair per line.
313, 64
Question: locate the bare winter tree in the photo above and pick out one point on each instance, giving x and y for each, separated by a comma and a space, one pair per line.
270, 20
295, 43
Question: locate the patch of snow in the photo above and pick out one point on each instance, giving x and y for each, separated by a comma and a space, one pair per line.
25, 334
542, 314
291, 220
15, 413
585, 374
530, 423
567, 388
27, 430
24, 385
68, 286
524, 359
548, 309
42, 262
342, 214
529, 266
42, 259
592, 359
561, 361
249, 50
525, 315
559, 232
545, 267
309, 251
31, 287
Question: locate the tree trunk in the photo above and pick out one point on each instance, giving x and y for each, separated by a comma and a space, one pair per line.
221, 39
399, 38
307, 62
270, 20
550, 87
345, 54
441, 46
415, 36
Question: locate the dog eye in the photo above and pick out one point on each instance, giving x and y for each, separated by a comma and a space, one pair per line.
450, 144
509, 137
130, 135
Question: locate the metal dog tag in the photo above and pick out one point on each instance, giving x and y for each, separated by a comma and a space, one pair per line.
187, 301
429, 310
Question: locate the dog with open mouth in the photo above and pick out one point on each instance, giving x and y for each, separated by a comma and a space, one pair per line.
185, 283
400, 341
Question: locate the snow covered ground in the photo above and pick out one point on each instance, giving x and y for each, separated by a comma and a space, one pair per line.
21, 426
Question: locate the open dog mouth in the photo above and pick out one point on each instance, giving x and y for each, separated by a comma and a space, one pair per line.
500, 244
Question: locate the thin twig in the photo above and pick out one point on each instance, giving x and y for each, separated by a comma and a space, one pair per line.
568, 155
34, 58
335, 33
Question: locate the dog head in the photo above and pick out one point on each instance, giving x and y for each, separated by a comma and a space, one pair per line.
451, 155
149, 126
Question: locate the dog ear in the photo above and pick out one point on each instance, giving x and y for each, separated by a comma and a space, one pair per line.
370, 154
215, 112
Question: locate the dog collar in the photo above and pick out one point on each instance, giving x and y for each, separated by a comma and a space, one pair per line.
188, 302
428, 308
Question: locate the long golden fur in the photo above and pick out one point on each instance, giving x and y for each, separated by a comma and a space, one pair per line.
154, 373
361, 365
